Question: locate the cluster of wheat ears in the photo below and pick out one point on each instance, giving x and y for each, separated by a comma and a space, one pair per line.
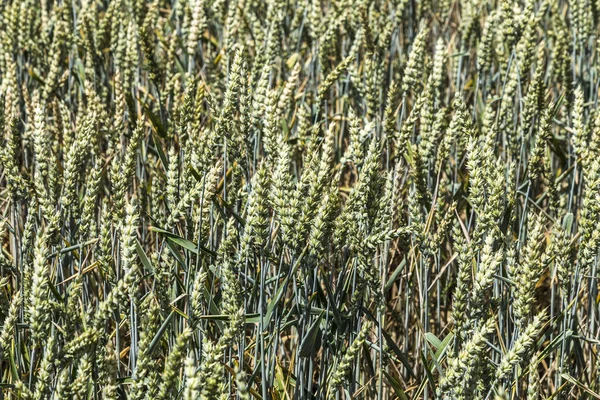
308, 199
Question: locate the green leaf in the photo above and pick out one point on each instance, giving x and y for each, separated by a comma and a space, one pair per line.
220, 203
396, 386
160, 151
310, 339
186, 244
567, 222
441, 350
555, 343
143, 257
175, 239
580, 385
154, 120
431, 338
329, 293
291, 61
177, 255
394, 276
160, 332
249, 318
273, 303
429, 378
401, 356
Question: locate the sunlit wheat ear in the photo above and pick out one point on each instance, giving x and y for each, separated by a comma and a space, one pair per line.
211, 371
81, 384
42, 387
173, 178
501, 395
528, 273
464, 282
108, 369
533, 385
23, 391
121, 173
241, 385
143, 367
76, 158
333, 76
490, 261
8, 325
80, 345
525, 48
413, 69
88, 218
561, 252
255, 233
589, 211
427, 143
440, 60
485, 47
343, 367
38, 307
538, 153
579, 137
231, 305
534, 96
521, 347
304, 199
128, 234
173, 364
465, 362
283, 192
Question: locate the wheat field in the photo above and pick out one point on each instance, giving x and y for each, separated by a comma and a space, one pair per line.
306, 199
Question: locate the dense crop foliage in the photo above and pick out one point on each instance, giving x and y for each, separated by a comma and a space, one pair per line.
328, 199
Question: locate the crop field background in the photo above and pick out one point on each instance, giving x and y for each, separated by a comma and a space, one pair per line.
307, 199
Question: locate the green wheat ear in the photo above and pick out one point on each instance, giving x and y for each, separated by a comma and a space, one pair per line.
340, 199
